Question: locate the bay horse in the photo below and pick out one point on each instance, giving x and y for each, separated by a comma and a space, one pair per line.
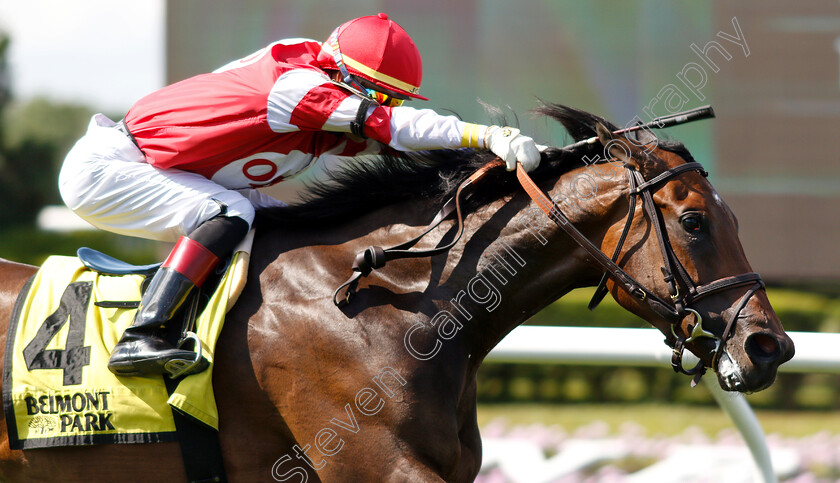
383, 388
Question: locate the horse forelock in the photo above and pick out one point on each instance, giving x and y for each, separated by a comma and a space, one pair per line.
434, 176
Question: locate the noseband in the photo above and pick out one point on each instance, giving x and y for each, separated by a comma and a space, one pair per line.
683, 291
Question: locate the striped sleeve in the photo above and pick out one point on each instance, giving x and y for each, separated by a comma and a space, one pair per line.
407, 129
473, 135
303, 99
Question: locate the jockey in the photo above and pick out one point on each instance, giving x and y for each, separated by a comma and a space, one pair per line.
185, 162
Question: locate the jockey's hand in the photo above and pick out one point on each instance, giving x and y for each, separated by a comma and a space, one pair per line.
508, 144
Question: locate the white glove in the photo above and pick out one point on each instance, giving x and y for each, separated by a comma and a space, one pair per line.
508, 144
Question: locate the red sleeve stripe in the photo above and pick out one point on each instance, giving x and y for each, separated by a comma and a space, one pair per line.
378, 125
313, 110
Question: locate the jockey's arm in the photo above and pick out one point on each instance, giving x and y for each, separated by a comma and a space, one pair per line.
306, 100
419, 129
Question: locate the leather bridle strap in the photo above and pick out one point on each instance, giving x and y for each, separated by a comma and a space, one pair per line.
601, 290
724, 284
627, 282
637, 186
730, 324
668, 174
679, 343
672, 267
375, 257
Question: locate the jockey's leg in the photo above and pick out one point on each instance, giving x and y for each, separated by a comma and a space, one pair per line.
107, 181
142, 350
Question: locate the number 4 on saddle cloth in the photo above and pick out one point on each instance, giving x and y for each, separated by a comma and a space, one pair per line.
57, 389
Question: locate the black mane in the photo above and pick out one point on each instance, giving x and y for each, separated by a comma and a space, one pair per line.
435, 175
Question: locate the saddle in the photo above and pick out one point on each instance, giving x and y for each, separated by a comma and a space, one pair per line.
108, 265
57, 389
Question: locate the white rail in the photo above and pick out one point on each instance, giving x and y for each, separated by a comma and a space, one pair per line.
815, 352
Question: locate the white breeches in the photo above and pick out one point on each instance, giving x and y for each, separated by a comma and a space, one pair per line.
107, 182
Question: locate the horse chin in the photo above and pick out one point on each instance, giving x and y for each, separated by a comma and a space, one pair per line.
730, 375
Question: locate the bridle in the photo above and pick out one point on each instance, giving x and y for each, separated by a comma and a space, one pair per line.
674, 273
682, 289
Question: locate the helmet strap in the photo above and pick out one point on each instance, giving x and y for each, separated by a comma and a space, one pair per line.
339, 62
351, 88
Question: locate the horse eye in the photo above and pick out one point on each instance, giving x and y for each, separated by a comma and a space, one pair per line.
692, 223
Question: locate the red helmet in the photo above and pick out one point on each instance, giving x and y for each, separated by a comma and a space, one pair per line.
375, 49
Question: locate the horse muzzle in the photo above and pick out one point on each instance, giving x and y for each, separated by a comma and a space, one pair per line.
752, 365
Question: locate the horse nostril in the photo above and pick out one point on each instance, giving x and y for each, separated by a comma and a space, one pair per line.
762, 347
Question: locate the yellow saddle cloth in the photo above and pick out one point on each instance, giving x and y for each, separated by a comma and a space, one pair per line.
57, 390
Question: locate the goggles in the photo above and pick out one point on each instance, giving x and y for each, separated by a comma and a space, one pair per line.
384, 99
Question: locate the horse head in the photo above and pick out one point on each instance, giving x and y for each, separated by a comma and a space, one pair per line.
680, 242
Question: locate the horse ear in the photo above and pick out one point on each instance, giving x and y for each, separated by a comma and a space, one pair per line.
645, 137
620, 147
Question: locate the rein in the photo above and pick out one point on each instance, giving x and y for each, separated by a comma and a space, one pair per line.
675, 275
375, 257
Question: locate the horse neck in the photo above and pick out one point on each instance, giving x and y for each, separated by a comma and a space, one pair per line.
517, 261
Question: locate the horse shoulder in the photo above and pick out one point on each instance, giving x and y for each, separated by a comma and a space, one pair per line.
343, 381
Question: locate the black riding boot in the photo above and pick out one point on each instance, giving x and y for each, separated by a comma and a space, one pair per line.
142, 350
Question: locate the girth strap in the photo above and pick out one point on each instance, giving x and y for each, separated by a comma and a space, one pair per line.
201, 450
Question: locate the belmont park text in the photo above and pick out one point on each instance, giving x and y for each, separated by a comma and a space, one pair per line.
71, 409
